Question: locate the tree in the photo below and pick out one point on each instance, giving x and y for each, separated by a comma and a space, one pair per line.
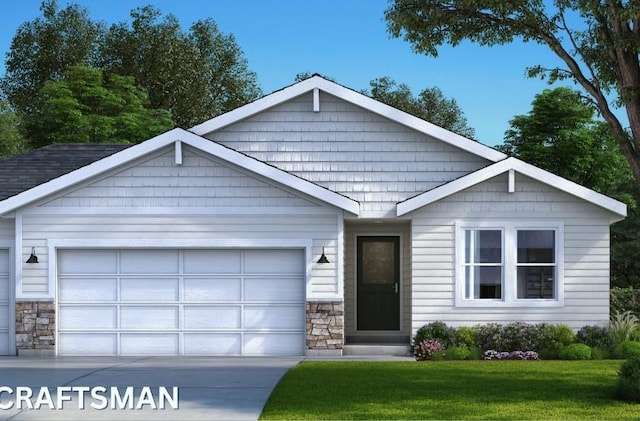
196, 75
41, 50
85, 106
561, 135
430, 104
597, 43
11, 141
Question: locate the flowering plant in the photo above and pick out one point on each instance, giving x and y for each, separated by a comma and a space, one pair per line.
425, 349
515, 355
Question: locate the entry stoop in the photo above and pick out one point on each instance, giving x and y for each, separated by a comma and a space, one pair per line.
377, 349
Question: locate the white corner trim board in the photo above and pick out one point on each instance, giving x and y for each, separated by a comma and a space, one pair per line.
515, 165
179, 136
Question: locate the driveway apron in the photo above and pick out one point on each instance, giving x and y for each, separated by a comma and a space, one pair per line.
224, 388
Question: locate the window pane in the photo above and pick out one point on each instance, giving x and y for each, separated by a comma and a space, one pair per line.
536, 246
378, 262
483, 282
483, 246
536, 282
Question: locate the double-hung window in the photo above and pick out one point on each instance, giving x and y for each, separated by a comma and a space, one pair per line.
509, 264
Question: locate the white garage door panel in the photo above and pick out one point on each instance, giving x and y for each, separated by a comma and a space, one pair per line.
149, 344
274, 317
88, 289
151, 289
149, 318
212, 261
208, 289
87, 317
87, 261
212, 344
222, 317
272, 344
88, 343
181, 302
5, 315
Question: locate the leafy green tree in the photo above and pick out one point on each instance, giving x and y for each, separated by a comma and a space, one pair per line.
11, 141
561, 135
195, 75
430, 104
42, 49
87, 107
597, 42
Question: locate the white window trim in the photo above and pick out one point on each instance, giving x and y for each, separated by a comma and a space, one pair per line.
509, 293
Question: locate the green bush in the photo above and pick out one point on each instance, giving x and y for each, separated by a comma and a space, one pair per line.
517, 336
601, 354
575, 352
628, 349
595, 337
489, 336
465, 336
628, 385
475, 353
556, 336
457, 353
624, 327
435, 330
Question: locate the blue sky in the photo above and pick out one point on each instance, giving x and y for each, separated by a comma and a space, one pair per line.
346, 40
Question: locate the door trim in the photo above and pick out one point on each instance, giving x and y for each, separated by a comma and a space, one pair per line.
400, 286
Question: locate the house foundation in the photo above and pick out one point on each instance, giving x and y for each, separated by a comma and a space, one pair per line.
325, 327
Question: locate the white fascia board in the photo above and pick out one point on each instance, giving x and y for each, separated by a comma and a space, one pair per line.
500, 167
160, 141
356, 98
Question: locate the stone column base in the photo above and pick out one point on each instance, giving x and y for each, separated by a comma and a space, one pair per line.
325, 325
35, 327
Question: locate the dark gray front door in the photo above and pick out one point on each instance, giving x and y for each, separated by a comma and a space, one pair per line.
378, 283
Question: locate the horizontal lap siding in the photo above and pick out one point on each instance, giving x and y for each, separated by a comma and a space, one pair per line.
321, 229
586, 251
349, 150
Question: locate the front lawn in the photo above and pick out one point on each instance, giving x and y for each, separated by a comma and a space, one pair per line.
450, 390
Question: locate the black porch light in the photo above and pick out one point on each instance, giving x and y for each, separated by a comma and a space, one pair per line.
33, 258
323, 258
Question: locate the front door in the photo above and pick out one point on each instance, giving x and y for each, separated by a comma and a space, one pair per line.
378, 283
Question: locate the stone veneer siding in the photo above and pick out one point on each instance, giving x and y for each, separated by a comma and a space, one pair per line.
35, 325
325, 325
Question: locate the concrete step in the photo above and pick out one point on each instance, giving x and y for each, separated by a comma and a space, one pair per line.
377, 349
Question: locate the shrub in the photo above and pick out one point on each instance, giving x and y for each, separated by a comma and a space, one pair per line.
426, 349
575, 352
595, 337
627, 349
489, 336
435, 330
624, 327
465, 336
475, 353
515, 355
628, 385
601, 354
457, 353
556, 336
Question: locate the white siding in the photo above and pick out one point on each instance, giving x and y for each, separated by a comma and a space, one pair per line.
201, 181
349, 150
320, 229
586, 246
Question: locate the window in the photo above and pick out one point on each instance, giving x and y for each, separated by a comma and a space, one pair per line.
509, 264
483, 264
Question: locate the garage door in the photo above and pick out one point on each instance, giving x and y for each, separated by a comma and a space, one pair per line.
5, 315
181, 302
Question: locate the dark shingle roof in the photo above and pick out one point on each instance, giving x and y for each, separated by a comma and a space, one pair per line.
22, 172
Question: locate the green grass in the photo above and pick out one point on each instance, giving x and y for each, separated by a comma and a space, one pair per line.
450, 390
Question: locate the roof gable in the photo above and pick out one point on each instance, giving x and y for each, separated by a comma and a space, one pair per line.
177, 137
508, 165
316, 84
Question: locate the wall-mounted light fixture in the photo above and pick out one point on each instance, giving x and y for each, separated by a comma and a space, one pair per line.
33, 258
323, 258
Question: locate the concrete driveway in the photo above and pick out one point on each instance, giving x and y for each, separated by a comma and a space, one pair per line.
208, 388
